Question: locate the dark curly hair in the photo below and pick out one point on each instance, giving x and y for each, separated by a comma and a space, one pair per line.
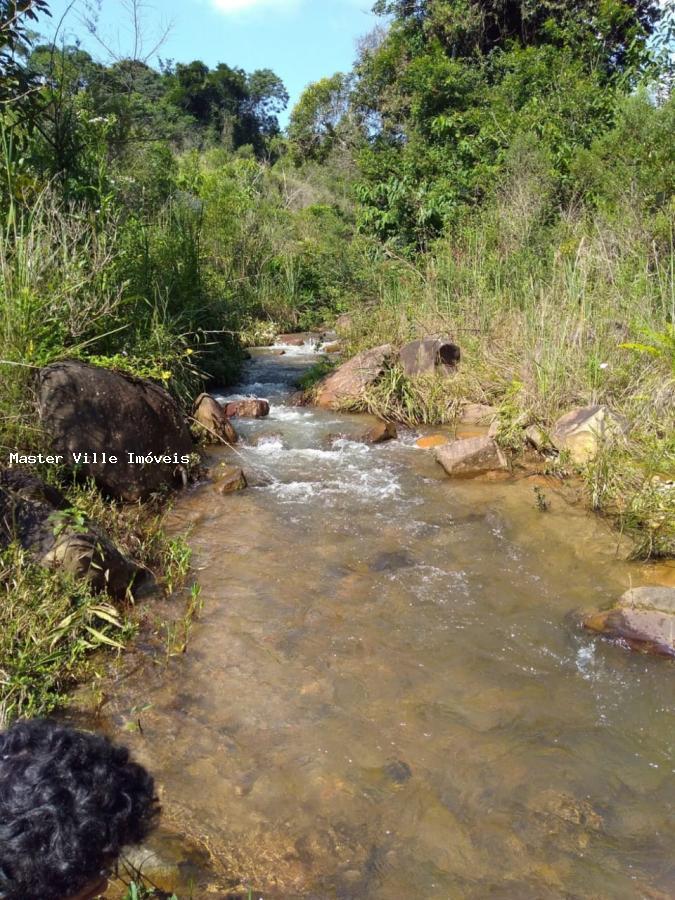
69, 802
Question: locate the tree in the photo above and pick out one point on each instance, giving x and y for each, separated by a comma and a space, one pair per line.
318, 122
16, 85
455, 82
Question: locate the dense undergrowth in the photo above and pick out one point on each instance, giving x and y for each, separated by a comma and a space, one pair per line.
507, 181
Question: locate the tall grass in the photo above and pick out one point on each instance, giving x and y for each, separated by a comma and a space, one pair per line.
576, 312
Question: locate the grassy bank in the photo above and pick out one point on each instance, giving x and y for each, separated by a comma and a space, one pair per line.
51, 624
574, 313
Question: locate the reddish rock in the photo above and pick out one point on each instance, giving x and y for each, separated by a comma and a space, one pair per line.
251, 408
471, 457
644, 618
380, 432
348, 383
299, 339
211, 422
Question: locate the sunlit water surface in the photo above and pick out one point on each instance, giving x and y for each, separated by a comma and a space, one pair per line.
387, 695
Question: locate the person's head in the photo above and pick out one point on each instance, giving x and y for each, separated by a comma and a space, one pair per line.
69, 802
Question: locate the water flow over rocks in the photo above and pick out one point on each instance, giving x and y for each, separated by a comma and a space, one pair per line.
387, 694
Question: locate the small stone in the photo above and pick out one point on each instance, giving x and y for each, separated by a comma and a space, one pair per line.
583, 430
478, 414
379, 433
251, 408
471, 457
228, 479
537, 437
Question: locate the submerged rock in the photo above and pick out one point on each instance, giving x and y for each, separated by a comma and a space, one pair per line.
472, 456
251, 408
109, 415
583, 430
348, 382
398, 771
430, 356
228, 479
433, 440
644, 618
212, 423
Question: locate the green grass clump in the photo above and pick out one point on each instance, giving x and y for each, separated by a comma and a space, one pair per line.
49, 626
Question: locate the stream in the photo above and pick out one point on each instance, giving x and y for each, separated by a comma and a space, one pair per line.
387, 694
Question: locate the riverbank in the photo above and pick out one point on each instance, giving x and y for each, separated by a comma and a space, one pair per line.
576, 326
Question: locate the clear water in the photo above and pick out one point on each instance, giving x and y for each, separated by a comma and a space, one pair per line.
387, 695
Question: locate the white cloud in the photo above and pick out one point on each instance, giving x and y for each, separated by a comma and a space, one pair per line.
229, 7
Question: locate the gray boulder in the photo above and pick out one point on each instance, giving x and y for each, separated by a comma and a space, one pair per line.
583, 430
430, 356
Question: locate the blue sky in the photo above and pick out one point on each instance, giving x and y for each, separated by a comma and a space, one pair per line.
301, 40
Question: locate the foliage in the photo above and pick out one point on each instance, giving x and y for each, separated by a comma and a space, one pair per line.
50, 625
453, 86
322, 121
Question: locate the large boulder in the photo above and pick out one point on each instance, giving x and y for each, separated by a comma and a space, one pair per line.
211, 421
644, 618
430, 356
348, 382
124, 432
583, 430
472, 456
251, 408
42, 525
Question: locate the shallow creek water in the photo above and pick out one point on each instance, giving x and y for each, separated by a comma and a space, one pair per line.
387, 695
